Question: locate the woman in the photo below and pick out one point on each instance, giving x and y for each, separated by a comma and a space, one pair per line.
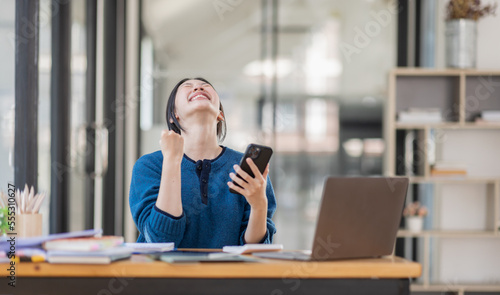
181, 193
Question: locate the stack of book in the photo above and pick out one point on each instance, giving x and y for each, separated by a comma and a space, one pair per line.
489, 117
448, 169
87, 250
420, 115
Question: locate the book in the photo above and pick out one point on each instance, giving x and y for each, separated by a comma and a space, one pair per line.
419, 118
423, 110
84, 244
251, 248
448, 169
416, 115
481, 121
449, 166
38, 241
145, 248
491, 116
196, 257
3, 257
89, 257
447, 172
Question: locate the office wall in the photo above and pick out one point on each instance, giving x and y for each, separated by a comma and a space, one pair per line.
371, 29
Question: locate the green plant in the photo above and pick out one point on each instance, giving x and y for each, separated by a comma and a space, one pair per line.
468, 9
4, 226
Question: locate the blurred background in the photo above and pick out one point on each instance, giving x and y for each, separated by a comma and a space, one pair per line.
307, 77
304, 77
284, 81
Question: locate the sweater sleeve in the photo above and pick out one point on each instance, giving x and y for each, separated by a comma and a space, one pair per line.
154, 224
271, 208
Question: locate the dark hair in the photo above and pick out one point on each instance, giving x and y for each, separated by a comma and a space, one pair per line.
170, 114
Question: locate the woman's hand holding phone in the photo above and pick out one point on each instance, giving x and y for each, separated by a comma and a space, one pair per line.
252, 188
172, 146
249, 179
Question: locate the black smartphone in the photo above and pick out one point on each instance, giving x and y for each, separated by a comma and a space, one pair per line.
260, 154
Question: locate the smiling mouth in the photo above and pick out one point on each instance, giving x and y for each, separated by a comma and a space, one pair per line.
199, 97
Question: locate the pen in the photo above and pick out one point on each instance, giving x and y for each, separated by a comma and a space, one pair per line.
37, 258
33, 258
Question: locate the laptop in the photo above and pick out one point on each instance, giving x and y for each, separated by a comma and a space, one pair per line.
359, 217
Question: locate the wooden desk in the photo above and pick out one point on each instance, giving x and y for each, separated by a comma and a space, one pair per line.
388, 275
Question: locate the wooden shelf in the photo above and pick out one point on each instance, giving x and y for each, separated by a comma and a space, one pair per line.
472, 125
447, 125
454, 179
443, 72
449, 234
426, 72
460, 96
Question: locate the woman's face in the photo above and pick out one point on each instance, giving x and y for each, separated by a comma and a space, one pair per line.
196, 96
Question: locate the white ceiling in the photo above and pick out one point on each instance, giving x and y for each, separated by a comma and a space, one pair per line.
195, 30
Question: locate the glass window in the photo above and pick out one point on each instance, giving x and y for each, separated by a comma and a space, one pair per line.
75, 152
7, 98
44, 70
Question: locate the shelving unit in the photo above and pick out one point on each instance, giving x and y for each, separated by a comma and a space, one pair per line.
412, 148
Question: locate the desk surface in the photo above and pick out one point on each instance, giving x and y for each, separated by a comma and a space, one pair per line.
139, 266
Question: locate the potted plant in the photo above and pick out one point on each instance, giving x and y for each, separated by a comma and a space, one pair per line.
461, 31
414, 214
4, 227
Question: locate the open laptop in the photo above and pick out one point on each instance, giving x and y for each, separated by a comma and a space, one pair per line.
359, 217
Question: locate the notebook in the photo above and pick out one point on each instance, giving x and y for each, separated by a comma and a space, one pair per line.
197, 257
38, 241
89, 257
359, 217
252, 248
84, 244
145, 248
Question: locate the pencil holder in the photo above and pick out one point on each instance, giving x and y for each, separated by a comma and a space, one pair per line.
28, 225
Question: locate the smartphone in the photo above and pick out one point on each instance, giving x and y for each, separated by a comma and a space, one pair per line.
260, 154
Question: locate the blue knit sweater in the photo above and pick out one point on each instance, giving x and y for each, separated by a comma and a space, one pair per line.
212, 216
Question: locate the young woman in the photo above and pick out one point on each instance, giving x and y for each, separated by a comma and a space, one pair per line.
181, 193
